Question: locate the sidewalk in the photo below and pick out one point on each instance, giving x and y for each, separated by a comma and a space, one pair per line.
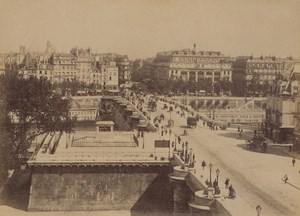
235, 207
292, 153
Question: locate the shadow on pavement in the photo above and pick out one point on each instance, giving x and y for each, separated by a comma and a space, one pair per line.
270, 150
230, 134
293, 185
16, 192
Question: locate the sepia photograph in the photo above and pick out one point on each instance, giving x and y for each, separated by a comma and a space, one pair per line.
149, 107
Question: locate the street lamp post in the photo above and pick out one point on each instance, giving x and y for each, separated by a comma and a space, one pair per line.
210, 168
217, 172
258, 210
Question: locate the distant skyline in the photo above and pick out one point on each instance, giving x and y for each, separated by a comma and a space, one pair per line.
140, 28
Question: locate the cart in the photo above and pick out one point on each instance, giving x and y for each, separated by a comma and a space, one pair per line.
192, 122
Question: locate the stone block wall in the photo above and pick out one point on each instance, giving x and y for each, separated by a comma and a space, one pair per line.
63, 190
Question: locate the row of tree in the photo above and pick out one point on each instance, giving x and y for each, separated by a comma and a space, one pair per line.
28, 108
152, 82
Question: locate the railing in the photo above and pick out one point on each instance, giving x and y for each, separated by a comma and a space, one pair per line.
96, 143
104, 157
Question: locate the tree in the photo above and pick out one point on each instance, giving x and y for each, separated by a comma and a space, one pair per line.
205, 84
254, 86
239, 86
192, 85
29, 107
73, 85
225, 86
265, 88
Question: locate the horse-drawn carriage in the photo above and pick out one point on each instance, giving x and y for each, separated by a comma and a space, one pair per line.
258, 143
152, 105
192, 122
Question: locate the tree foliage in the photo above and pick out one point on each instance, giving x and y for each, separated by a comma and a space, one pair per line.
29, 107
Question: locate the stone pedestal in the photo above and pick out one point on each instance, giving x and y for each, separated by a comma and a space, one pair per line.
202, 201
181, 192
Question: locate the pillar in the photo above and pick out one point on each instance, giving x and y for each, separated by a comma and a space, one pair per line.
181, 192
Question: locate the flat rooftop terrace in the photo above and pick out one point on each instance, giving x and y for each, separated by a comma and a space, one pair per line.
91, 148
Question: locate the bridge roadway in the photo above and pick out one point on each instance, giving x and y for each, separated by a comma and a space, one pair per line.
256, 177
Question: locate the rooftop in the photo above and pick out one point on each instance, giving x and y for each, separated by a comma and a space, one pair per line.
90, 148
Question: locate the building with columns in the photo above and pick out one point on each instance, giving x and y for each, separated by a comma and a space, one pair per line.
191, 65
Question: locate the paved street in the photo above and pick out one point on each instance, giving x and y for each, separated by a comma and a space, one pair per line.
257, 177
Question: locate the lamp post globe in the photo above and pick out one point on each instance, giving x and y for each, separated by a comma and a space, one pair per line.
258, 209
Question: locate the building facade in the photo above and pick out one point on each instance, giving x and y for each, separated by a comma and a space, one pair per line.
44, 69
281, 110
84, 64
263, 68
297, 109
64, 67
84, 108
191, 65
122, 63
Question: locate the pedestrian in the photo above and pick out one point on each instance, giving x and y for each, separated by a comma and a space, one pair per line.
187, 158
227, 183
293, 161
215, 183
203, 164
179, 139
232, 193
238, 128
207, 182
285, 178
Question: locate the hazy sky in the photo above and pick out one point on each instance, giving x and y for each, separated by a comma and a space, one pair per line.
141, 28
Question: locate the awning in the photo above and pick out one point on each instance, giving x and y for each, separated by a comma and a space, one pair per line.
288, 127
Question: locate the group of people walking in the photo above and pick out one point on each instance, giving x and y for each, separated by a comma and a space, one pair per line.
189, 158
